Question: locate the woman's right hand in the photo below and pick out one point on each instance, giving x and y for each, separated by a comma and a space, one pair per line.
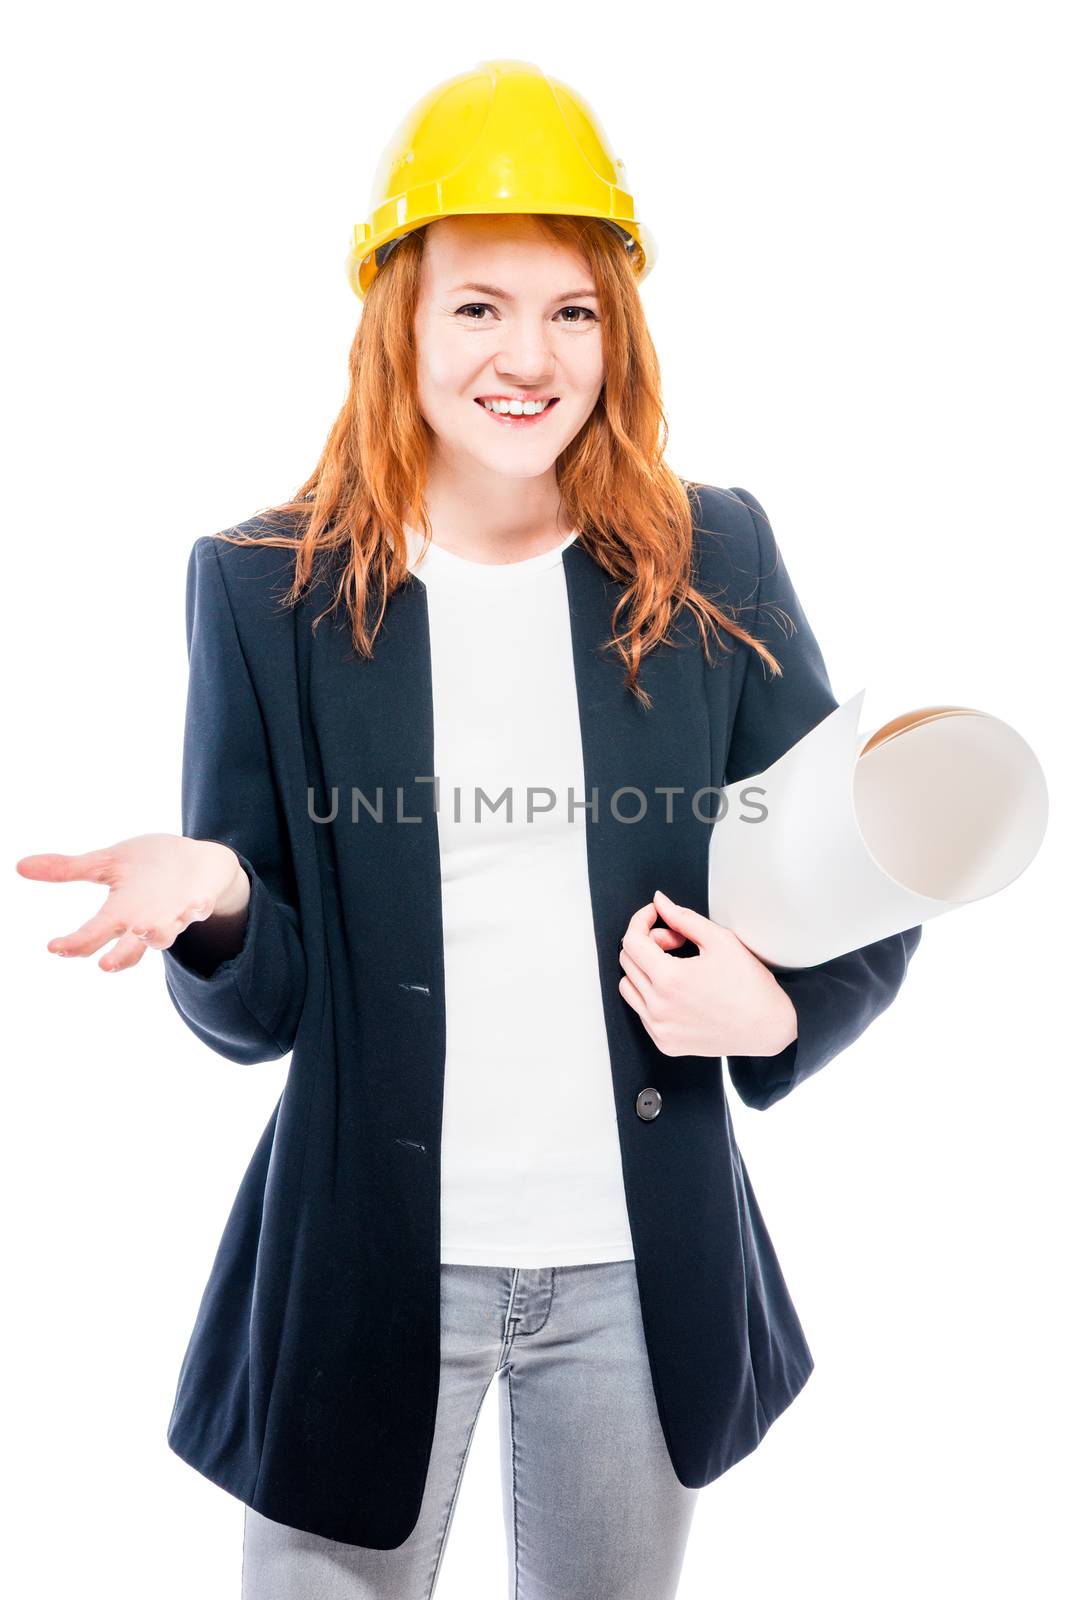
158, 883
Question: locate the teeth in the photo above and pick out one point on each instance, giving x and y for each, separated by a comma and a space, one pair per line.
516, 408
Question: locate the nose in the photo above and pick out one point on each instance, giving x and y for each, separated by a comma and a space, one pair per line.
525, 355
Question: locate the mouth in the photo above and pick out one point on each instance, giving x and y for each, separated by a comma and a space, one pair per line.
505, 419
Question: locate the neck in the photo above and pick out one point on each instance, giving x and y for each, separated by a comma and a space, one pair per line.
493, 518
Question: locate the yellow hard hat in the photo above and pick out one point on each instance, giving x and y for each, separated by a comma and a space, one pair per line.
504, 139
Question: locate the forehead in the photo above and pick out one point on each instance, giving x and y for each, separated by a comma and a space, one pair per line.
485, 243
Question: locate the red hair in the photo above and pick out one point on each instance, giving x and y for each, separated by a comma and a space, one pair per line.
633, 514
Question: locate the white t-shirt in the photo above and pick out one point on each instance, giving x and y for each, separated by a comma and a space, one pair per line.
530, 1166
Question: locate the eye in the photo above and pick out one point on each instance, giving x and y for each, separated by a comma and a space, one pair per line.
480, 305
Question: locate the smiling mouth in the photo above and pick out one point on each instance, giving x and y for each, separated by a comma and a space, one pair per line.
517, 420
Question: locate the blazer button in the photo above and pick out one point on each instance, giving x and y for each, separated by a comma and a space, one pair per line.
649, 1103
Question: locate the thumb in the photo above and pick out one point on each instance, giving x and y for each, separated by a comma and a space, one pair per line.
682, 918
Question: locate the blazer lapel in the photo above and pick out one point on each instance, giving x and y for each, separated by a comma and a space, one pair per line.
632, 757
370, 737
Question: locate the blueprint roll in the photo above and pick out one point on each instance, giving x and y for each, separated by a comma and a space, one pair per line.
850, 837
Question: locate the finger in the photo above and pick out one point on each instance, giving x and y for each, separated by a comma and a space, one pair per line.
633, 998
160, 936
636, 976
667, 938
127, 952
98, 931
642, 919
92, 866
684, 920
111, 922
642, 947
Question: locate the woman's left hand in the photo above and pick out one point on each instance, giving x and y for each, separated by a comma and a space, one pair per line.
722, 1002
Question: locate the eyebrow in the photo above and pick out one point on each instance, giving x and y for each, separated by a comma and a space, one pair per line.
502, 294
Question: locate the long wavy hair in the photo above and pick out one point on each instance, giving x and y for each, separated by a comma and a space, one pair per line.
633, 514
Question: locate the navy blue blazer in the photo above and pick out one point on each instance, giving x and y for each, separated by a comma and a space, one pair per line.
310, 1383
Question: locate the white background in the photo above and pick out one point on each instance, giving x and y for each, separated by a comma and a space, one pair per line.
858, 306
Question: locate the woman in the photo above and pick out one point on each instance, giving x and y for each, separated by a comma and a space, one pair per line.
457, 717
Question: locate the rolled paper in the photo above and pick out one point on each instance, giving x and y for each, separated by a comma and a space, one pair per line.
850, 837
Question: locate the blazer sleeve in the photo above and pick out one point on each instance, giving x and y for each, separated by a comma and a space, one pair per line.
837, 1000
246, 1008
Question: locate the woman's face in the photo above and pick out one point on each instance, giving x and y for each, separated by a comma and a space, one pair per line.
504, 312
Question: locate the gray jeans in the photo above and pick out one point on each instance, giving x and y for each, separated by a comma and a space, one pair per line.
592, 1506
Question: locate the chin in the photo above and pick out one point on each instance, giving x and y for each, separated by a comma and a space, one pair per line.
514, 463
